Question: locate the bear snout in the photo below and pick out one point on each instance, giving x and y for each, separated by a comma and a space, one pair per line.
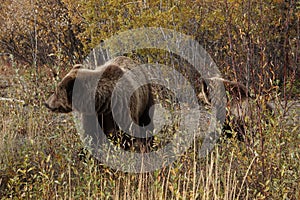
49, 103
58, 109
57, 106
47, 106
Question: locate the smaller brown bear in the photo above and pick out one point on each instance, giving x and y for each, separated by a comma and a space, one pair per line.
89, 92
238, 105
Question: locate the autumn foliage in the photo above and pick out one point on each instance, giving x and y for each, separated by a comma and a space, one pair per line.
256, 43
243, 37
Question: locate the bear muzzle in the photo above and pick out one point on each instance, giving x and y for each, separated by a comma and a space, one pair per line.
59, 109
54, 106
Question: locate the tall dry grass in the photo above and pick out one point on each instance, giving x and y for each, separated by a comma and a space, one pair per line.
42, 157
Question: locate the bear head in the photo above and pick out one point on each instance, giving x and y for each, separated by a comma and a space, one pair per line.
61, 100
84, 90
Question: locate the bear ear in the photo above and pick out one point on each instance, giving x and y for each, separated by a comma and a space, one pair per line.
77, 66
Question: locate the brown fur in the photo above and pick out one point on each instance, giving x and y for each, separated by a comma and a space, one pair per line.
106, 76
238, 105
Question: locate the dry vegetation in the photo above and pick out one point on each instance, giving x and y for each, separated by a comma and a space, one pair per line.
253, 42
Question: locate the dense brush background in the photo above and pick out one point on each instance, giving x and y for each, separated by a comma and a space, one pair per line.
253, 42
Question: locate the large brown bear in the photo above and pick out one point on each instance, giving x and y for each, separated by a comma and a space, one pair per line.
88, 91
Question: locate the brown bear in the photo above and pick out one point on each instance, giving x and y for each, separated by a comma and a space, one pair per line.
89, 92
238, 105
